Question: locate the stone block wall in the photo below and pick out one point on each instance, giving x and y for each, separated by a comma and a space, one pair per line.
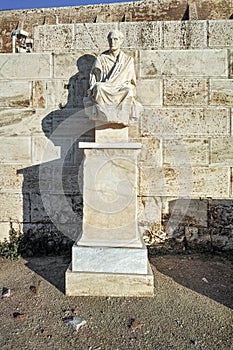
185, 78
137, 11
39, 157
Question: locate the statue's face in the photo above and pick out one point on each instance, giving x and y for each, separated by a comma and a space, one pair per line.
115, 41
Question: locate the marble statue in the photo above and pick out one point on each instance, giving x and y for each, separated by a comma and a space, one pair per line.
111, 96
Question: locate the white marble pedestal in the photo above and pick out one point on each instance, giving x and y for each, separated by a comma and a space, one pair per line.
110, 258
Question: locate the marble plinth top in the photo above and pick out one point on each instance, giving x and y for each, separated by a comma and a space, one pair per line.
114, 145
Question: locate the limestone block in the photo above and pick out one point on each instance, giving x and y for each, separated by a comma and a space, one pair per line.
151, 151
142, 35
188, 63
67, 122
18, 66
220, 33
190, 211
69, 154
149, 211
133, 131
105, 284
221, 92
37, 121
14, 207
165, 206
212, 181
69, 178
76, 70
65, 64
185, 34
92, 36
111, 132
21, 122
12, 117
38, 94
58, 208
57, 93
47, 177
221, 151
44, 150
149, 92
164, 181
15, 149
77, 77
10, 179
174, 122
186, 151
180, 92
14, 94
36, 177
184, 181
58, 38
59, 123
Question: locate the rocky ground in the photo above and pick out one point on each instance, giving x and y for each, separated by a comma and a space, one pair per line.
191, 308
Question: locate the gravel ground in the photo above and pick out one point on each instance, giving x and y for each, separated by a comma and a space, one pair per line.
191, 308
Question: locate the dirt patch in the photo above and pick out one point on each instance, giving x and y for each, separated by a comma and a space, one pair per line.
191, 308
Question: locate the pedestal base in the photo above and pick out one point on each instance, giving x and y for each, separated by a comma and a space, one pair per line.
110, 259
109, 284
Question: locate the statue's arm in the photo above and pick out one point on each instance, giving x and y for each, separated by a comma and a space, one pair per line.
95, 76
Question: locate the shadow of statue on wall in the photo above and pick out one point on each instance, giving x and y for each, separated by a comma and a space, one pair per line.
52, 189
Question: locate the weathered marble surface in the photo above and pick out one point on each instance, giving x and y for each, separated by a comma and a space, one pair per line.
110, 245
112, 85
109, 259
110, 194
110, 132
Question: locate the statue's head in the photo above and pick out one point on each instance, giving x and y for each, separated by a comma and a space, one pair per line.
115, 39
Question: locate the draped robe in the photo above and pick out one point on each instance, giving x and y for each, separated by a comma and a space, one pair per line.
113, 88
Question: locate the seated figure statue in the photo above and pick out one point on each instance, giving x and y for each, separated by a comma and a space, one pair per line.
111, 96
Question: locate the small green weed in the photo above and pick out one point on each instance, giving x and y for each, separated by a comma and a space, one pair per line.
9, 248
